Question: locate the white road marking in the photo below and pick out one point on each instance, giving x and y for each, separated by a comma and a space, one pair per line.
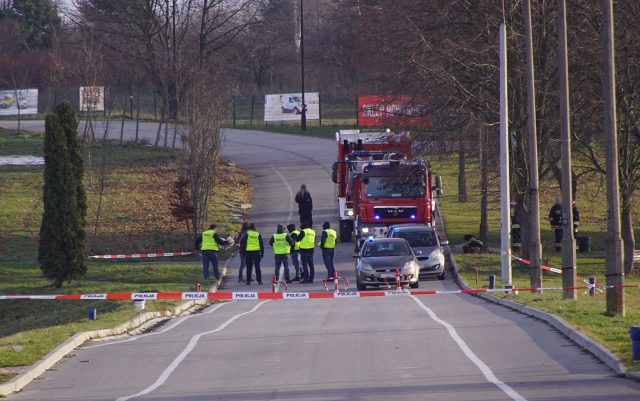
486, 371
286, 183
185, 352
170, 327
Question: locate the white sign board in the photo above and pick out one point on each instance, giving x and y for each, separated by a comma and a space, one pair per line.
18, 101
92, 98
288, 106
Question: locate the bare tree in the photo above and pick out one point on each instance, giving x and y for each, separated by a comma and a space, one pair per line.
202, 137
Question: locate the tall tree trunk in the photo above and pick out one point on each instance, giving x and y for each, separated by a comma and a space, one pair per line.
628, 237
484, 187
462, 177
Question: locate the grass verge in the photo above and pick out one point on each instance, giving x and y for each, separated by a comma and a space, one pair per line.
586, 313
134, 217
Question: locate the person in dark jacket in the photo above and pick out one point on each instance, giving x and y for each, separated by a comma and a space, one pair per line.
209, 244
253, 247
241, 251
282, 245
305, 205
473, 245
295, 251
555, 219
576, 218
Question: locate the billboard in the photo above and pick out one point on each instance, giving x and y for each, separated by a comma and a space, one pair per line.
92, 98
390, 110
18, 101
288, 106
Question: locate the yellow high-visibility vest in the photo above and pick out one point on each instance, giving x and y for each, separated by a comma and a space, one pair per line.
280, 244
308, 242
330, 241
296, 247
209, 241
253, 242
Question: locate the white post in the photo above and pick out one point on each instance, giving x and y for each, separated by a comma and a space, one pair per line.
505, 199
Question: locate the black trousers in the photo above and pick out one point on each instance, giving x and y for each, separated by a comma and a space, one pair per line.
306, 217
252, 258
308, 268
558, 234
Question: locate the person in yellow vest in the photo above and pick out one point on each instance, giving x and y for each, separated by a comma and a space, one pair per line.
253, 248
307, 244
328, 244
295, 251
282, 244
209, 244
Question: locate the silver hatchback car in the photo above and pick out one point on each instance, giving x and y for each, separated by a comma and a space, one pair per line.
379, 259
425, 243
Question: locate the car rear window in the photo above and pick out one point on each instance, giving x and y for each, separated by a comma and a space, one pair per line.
395, 248
418, 238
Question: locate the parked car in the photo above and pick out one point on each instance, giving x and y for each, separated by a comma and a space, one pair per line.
378, 260
7, 101
291, 104
425, 243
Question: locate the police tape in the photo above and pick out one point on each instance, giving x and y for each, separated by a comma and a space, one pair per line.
552, 269
247, 295
143, 255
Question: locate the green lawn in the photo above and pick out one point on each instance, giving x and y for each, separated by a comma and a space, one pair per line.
587, 313
134, 218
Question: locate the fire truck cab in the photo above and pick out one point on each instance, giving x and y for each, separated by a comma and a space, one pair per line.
378, 186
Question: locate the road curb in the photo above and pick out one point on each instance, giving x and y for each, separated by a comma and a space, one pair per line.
597, 350
64, 349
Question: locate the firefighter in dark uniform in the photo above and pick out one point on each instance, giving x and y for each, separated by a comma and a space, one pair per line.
576, 218
254, 251
555, 219
516, 237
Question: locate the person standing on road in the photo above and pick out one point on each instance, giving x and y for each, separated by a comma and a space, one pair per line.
253, 246
241, 251
307, 243
209, 244
328, 244
305, 206
555, 219
295, 251
282, 244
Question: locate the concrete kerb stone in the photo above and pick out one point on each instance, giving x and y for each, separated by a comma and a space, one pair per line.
64, 349
591, 346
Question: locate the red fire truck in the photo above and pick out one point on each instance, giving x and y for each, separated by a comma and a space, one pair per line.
378, 184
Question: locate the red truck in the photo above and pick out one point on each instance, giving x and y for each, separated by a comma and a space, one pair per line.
378, 184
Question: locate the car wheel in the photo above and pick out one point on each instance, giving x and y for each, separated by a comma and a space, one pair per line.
360, 286
415, 285
441, 276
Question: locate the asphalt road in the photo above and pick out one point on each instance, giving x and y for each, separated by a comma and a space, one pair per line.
452, 347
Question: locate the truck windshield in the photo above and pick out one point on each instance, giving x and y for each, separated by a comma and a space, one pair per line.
395, 187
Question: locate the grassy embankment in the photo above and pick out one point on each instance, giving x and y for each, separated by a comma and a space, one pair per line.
134, 218
587, 313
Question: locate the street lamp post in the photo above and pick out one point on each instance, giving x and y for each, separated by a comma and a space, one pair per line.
303, 115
